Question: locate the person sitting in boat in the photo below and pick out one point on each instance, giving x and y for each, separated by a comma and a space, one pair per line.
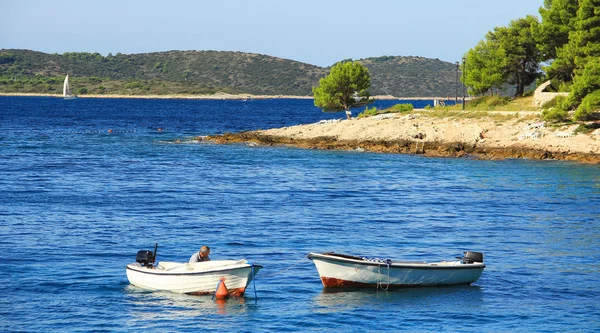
201, 255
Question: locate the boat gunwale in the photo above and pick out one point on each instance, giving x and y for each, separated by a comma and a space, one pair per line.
399, 265
145, 270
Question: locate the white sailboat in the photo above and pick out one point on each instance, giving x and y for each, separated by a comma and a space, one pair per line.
66, 89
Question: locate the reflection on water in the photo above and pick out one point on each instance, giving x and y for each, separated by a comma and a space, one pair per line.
173, 306
333, 300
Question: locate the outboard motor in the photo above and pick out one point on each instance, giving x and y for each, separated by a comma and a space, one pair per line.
471, 257
146, 258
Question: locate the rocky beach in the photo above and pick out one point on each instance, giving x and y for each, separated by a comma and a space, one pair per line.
489, 135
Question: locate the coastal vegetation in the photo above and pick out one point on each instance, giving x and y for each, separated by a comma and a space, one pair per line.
209, 72
564, 47
398, 108
346, 86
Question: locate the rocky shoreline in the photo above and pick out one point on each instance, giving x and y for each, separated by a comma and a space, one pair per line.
429, 149
458, 138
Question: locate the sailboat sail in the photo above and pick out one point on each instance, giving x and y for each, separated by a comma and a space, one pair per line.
66, 90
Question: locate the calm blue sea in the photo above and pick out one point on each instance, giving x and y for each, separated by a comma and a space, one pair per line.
87, 183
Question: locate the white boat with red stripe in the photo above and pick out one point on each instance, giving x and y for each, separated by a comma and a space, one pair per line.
346, 271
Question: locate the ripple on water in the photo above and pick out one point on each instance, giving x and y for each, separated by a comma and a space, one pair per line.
79, 202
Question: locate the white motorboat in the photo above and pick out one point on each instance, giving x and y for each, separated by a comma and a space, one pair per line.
199, 278
345, 271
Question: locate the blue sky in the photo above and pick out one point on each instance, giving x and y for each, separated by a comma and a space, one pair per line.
318, 32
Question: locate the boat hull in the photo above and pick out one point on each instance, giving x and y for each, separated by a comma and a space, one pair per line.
343, 272
196, 279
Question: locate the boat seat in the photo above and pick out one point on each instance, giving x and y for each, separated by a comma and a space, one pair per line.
169, 265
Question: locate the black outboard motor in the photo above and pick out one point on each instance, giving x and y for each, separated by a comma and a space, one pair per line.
146, 257
471, 257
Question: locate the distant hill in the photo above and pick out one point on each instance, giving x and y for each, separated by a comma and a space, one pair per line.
411, 76
207, 72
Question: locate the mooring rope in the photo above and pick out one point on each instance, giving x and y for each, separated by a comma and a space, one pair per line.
281, 271
216, 290
388, 262
254, 284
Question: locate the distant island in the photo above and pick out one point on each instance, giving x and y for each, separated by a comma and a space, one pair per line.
189, 73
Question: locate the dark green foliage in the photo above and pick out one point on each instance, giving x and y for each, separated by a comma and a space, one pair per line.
556, 85
521, 66
554, 111
554, 115
563, 66
487, 102
475, 102
578, 58
585, 45
558, 19
507, 55
402, 107
133, 85
368, 112
7, 58
587, 128
589, 106
586, 82
494, 101
398, 108
485, 64
346, 86
556, 102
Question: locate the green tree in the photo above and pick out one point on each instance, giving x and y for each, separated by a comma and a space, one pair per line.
522, 55
558, 19
584, 43
553, 36
485, 63
346, 86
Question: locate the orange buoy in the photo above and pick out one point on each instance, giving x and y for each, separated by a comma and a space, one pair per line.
110, 131
221, 292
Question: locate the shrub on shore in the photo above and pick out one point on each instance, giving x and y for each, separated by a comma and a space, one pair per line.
398, 108
555, 115
554, 110
487, 102
368, 112
589, 105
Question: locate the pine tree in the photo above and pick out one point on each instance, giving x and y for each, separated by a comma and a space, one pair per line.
584, 44
346, 86
522, 54
485, 64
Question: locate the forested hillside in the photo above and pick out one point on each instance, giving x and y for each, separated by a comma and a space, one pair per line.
208, 72
411, 76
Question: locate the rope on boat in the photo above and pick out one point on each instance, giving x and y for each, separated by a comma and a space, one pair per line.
281, 271
380, 283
